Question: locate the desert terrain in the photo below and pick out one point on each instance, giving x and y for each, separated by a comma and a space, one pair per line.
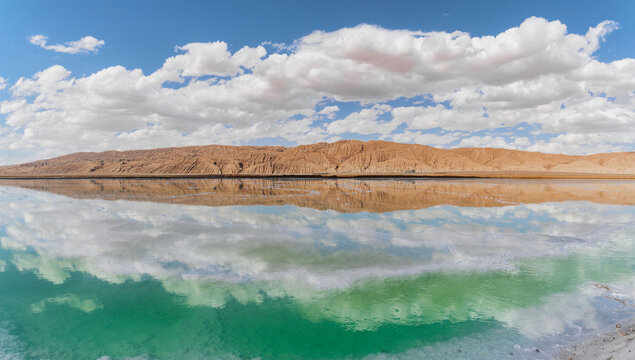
347, 158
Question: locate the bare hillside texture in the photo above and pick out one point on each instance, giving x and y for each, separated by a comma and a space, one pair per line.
342, 158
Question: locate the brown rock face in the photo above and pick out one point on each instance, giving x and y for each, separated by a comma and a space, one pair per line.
343, 158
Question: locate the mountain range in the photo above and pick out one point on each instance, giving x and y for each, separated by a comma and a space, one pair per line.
347, 158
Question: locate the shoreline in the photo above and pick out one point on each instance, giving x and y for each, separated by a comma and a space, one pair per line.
434, 175
615, 344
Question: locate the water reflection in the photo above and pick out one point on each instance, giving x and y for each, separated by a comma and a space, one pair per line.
342, 195
389, 261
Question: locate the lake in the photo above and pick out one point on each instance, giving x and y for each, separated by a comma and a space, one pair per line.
311, 269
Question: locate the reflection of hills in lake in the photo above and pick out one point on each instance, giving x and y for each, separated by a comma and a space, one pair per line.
343, 195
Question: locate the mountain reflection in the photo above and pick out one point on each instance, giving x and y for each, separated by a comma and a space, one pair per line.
342, 195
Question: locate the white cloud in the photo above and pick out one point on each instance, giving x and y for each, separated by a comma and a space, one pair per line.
486, 141
428, 139
579, 143
202, 59
536, 73
3, 83
329, 111
364, 122
278, 46
85, 45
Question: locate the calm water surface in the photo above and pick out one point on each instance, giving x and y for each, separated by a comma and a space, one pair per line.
311, 269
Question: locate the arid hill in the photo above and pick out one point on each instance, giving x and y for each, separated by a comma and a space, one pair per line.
343, 195
343, 158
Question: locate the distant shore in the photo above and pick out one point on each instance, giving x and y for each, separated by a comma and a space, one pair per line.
462, 174
342, 159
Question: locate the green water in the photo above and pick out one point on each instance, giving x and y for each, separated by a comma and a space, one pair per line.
85, 279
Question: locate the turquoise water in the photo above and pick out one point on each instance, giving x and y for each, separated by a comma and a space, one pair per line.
92, 278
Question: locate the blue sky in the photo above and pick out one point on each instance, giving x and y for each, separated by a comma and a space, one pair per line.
534, 89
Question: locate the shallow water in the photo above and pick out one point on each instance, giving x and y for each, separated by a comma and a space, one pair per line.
316, 269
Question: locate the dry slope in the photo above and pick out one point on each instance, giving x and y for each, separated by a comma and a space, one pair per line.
343, 158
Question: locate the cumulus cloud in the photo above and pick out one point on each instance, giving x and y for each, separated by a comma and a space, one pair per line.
329, 111
210, 59
360, 81
85, 45
364, 122
428, 139
3, 83
486, 141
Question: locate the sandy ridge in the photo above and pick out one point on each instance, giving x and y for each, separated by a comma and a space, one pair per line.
347, 158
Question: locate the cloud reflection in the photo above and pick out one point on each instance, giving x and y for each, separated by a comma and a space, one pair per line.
363, 270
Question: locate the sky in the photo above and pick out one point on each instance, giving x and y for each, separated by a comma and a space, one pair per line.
545, 76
